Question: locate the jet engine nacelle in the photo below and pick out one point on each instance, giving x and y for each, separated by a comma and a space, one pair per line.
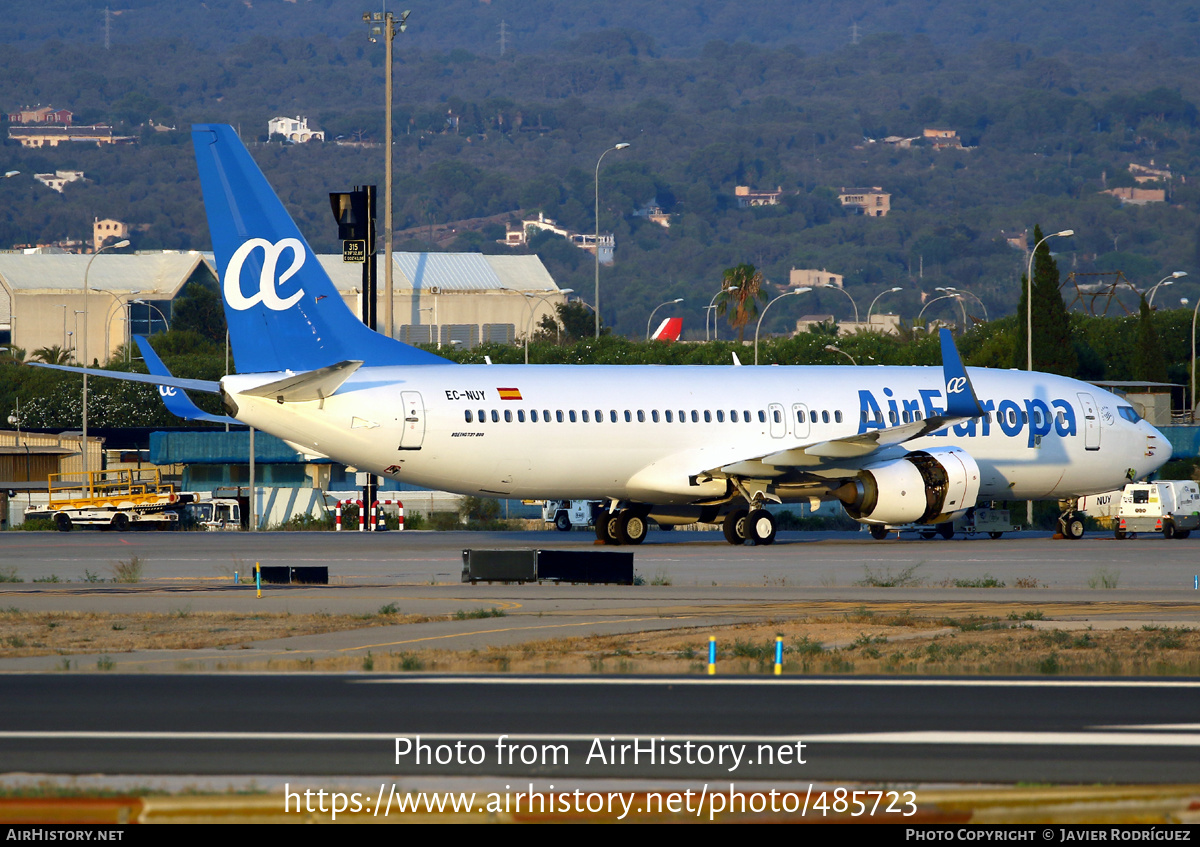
925, 486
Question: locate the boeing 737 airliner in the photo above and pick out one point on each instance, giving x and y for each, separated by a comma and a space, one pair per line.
894, 445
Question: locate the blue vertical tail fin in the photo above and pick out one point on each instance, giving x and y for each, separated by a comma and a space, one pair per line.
283, 311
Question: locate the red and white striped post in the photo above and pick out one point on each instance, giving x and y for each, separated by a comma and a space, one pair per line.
377, 518
362, 515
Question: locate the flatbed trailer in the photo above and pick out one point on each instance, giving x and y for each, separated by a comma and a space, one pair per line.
118, 500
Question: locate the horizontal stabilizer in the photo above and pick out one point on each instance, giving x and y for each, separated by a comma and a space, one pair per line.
311, 385
205, 385
177, 402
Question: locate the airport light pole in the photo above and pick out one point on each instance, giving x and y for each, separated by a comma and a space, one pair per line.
763, 314
533, 311
957, 295
87, 270
385, 25
832, 349
711, 307
982, 305
1066, 233
108, 317
655, 309
876, 300
1192, 409
620, 146
1166, 280
934, 300
847, 293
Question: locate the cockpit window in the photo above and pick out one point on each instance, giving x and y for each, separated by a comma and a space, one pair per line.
1128, 413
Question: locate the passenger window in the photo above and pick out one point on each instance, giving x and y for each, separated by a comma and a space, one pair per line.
904, 416
559, 415
482, 416
733, 416
546, 415
641, 416
467, 415
584, 416
762, 416
533, 415
599, 416
495, 416
612, 415
707, 416
670, 416
776, 416
508, 415
746, 416
628, 416
521, 415
571, 414
695, 416
800, 416
654, 415
837, 416
720, 416
893, 418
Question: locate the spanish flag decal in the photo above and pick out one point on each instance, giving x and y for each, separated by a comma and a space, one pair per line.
509, 393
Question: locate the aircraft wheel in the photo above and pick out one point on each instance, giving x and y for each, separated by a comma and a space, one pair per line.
1120, 534
605, 531
995, 534
120, 522
1169, 529
562, 523
62, 522
946, 530
630, 527
760, 527
1182, 533
928, 533
878, 532
734, 526
1073, 527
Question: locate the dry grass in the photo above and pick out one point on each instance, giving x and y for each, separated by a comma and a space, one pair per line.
884, 638
48, 633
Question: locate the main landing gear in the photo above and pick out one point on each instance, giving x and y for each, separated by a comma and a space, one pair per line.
628, 526
755, 525
1070, 522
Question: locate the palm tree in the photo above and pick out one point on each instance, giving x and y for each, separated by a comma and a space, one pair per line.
741, 289
12, 354
52, 355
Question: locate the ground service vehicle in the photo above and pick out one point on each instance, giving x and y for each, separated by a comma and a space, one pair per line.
565, 514
119, 500
1171, 507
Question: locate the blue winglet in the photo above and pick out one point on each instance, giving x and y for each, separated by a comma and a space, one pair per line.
961, 401
176, 401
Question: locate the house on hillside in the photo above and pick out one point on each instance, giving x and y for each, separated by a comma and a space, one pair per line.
943, 139
747, 197
873, 202
41, 115
58, 179
294, 129
54, 136
806, 278
1137, 196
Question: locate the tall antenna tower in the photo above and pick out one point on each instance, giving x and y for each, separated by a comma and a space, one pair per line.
503, 36
854, 33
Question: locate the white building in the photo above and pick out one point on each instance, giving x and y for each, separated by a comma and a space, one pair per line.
294, 129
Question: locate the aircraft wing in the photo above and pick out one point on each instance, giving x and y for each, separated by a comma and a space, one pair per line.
961, 402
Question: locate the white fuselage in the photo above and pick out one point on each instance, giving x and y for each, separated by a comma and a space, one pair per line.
644, 433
